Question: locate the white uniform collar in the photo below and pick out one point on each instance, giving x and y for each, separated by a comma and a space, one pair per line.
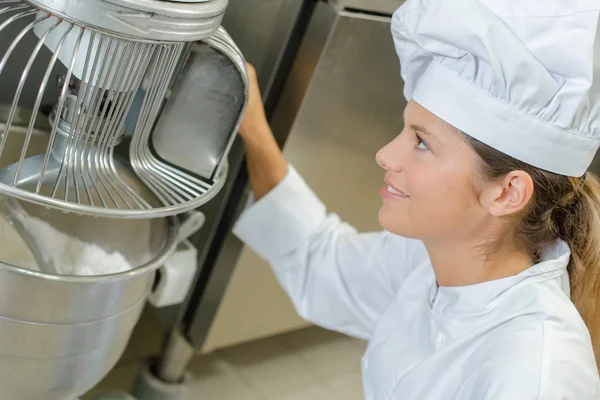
484, 297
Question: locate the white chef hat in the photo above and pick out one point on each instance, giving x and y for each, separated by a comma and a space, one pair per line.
518, 75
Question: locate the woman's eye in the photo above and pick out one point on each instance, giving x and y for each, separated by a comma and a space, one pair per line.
421, 145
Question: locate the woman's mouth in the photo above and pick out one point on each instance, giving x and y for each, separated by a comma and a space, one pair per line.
390, 192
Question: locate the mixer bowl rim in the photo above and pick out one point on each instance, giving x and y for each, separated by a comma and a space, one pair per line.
167, 250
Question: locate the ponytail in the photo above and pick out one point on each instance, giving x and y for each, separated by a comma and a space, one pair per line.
580, 228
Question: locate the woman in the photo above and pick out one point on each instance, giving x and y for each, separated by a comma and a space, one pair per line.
488, 271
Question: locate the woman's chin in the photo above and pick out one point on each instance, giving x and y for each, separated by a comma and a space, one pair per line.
391, 223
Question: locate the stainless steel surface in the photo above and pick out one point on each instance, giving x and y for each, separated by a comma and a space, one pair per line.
352, 107
74, 337
342, 102
200, 120
262, 30
377, 6
176, 355
144, 19
104, 75
59, 335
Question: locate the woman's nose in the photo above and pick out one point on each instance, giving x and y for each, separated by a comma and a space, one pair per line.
389, 157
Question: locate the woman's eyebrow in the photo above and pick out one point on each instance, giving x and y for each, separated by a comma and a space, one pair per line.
420, 128
425, 132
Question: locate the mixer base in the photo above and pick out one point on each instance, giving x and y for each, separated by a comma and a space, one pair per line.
149, 387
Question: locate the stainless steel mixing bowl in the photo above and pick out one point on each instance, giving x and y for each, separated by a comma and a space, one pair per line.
60, 335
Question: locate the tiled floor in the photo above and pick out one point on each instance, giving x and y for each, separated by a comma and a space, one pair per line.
310, 364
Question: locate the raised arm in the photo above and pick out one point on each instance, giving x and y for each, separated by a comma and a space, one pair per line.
336, 277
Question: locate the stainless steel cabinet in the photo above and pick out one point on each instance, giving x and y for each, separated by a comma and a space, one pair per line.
352, 107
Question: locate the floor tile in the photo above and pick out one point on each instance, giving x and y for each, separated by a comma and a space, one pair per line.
328, 353
312, 392
307, 364
271, 367
215, 378
347, 386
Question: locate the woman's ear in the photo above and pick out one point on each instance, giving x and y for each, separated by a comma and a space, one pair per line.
508, 195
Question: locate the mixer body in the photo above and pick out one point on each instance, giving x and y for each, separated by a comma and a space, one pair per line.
60, 334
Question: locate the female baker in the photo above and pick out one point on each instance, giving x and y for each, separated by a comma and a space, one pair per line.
485, 283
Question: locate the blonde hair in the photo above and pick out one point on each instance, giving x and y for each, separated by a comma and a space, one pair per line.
561, 207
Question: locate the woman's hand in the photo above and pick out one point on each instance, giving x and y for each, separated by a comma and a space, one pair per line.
254, 118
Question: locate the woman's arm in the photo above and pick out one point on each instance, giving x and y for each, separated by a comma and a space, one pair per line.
336, 277
266, 165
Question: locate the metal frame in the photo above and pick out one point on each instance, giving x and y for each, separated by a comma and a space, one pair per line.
143, 19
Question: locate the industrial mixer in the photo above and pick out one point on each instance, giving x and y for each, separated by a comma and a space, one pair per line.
94, 144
